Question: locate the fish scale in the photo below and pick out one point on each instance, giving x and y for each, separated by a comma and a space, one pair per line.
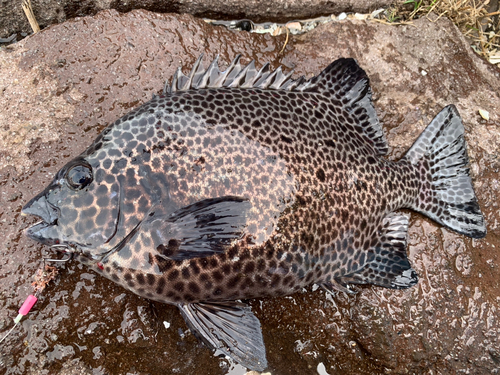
213, 139
247, 184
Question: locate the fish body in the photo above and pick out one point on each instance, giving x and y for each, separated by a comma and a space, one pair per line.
245, 184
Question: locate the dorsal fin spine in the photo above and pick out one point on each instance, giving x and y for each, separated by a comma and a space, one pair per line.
264, 82
232, 71
236, 75
194, 70
240, 76
291, 85
262, 73
211, 73
175, 78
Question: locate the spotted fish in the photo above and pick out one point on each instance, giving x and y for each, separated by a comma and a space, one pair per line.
245, 183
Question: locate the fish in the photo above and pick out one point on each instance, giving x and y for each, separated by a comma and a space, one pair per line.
241, 184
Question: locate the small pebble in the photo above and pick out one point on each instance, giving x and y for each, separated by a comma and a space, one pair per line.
484, 114
294, 25
359, 16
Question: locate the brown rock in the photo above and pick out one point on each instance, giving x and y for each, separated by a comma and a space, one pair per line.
48, 12
59, 88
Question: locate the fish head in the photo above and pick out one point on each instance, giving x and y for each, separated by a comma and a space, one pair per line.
78, 214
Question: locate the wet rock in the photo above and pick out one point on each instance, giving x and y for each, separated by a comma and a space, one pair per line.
59, 88
48, 12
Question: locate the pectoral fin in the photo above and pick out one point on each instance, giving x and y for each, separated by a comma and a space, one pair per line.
230, 327
202, 229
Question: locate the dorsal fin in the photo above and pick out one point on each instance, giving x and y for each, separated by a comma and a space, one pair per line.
236, 75
343, 80
349, 85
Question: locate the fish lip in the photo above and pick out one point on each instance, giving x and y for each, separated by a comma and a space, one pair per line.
41, 208
34, 231
41, 220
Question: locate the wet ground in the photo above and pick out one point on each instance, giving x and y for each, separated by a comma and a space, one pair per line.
59, 88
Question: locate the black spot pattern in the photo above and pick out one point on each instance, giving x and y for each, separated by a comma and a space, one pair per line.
308, 162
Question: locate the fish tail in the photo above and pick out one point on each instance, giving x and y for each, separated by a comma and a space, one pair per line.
446, 194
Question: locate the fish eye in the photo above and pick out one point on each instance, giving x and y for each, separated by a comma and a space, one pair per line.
79, 176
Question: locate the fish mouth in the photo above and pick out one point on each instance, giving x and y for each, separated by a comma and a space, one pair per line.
36, 232
43, 231
49, 235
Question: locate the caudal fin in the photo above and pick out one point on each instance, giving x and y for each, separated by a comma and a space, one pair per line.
446, 192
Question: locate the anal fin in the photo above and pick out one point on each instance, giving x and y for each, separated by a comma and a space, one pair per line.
230, 327
387, 264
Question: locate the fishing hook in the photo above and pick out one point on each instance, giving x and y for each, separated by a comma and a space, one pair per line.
66, 257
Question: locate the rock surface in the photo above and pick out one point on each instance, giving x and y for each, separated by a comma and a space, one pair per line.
59, 88
48, 12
